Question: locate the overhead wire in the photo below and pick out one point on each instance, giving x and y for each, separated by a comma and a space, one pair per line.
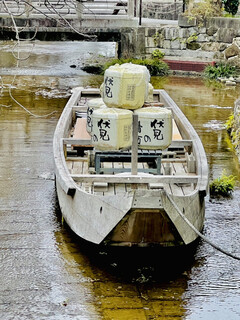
17, 57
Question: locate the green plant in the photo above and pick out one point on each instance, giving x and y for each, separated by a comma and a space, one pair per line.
156, 67
157, 54
230, 123
220, 69
204, 9
157, 37
223, 185
192, 38
231, 6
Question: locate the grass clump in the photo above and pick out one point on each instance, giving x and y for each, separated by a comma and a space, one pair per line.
223, 185
220, 69
229, 124
156, 66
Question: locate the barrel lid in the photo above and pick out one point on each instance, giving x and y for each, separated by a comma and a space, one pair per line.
113, 113
95, 102
130, 68
153, 111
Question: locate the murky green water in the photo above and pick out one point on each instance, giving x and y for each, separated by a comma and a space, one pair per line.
47, 273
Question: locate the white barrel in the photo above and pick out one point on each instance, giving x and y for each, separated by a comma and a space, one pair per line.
154, 127
150, 93
92, 105
125, 86
112, 129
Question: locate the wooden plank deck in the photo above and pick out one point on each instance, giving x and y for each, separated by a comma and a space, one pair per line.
173, 163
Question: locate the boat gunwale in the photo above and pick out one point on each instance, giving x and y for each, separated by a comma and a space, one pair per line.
67, 181
198, 149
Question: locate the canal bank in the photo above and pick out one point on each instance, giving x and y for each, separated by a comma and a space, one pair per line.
47, 273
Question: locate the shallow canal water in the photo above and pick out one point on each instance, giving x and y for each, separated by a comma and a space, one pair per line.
48, 273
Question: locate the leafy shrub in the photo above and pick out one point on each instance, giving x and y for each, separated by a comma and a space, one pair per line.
203, 10
157, 54
219, 70
231, 6
156, 67
223, 185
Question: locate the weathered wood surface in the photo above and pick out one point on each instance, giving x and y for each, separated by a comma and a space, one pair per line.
188, 132
125, 178
94, 205
62, 130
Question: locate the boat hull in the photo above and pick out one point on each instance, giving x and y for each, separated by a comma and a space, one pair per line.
117, 223
146, 213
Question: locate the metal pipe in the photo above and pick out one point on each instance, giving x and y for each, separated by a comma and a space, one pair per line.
134, 159
140, 12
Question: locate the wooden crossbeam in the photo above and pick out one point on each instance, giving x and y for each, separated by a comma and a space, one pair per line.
128, 178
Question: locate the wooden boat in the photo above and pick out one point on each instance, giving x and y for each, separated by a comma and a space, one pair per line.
117, 207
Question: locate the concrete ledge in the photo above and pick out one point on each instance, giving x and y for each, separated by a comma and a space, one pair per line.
108, 21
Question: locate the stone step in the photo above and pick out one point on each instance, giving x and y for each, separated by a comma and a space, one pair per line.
183, 65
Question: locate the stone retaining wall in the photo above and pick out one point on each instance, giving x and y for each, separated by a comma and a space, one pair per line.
234, 131
218, 39
161, 10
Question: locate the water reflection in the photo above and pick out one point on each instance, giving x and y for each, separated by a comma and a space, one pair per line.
128, 284
51, 58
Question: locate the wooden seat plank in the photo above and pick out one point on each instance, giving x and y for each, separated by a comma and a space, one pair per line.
80, 130
175, 134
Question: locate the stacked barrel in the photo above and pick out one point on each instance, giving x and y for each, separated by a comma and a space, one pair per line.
124, 91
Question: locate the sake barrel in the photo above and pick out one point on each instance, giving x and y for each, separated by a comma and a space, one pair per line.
154, 127
112, 129
125, 86
92, 105
150, 93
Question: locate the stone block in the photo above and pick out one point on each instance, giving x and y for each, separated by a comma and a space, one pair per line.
175, 44
232, 51
218, 56
186, 22
150, 42
166, 44
235, 61
210, 46
226, 35
171, 33
202, 38
202, 30
212, 38
222, 46
221, 22
236, 41
183, 33
150, 32
193, 30
211, 30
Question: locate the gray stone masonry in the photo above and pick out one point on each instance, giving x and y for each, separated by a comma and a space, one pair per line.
218, 39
